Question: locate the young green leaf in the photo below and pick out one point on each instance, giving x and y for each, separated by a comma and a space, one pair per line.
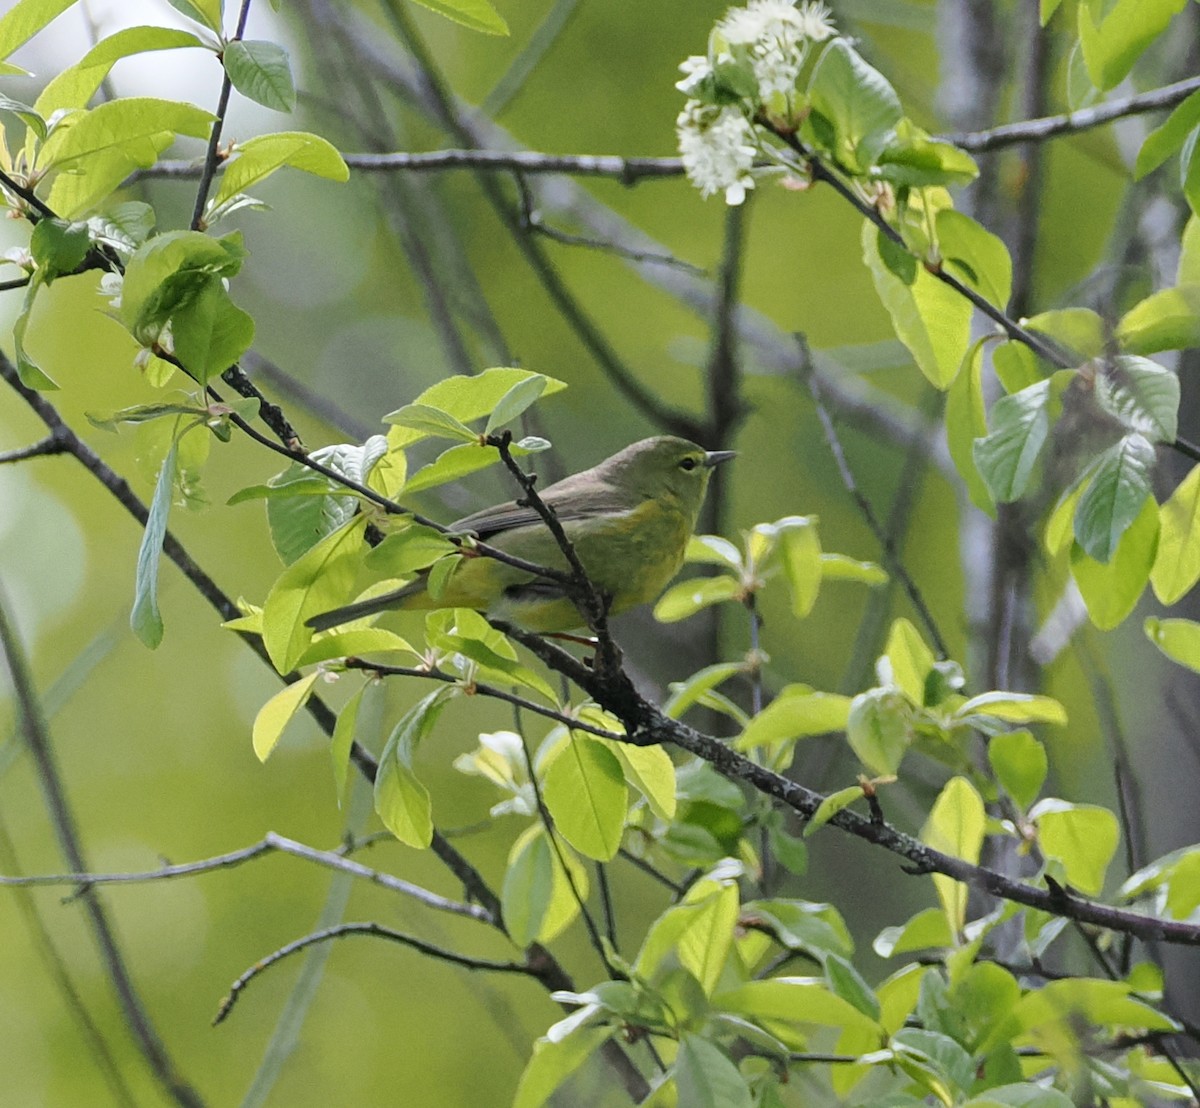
705, 1077
554, 1060
514, 402
1083, 837
278, 712
1140, 394
1168, 136
1119, 489
144, 618
910, 660
830, 806
432, 421
401, 801
478, 15
207, 12
857, 101
648, 769
879, 729
31, 375
538, 901
1178, 639
1177, 563
1166, 320
585, 793
1014, 707
955, 827
257, 158
1113, 41
932, 320
343, 739
689, 597
800, 553
797, 713
210, 332
1020, 426
966, 421
1111, 590
1019, 762
974, 255
320, 580
261, 72
22, 21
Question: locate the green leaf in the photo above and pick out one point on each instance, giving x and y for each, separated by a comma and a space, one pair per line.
458, 462
584, 791
1047, 8
536, 899
1189, 254
354, 643
1111, 591
1177, 563
713, 550
926, 930
857, 101
1119, 489
404, 552
401, 801
74, 87
915, 160
935, 1061
278, 712
1168, 136
1140, 394
59, 247
1083, 837
879, 729
696, 934
1013, 707
930, 318
802, 925
706, 1078
431, 421
24, 113
1019, 762
909, 660
343, 739
689, 597
514, 402
207, 12
1076, 1001
30, 373
794, 1000
955, 827
1020, 426
478, 15
648, 769
1024, 1095
797, 713
975, 256
320, 580
95, 151
210, 332
684, 694
831, 805
22, 21
1178, 639
554, 1060
848, 983
257, 158
467, 398
1165, 320
1112, 44
800, 552
144, 618
840, 567
966, 421
260, 71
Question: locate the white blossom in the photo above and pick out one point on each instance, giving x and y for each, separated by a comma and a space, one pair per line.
695, 70
718, 148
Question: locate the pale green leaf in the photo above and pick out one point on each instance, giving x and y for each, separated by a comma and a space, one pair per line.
538, 901
74, 86
354, 642
684, 694
257, 158
1083, 837
207, 12
404, 552
277, 712
1166, 320
831, 805
403, 804
926, 930
1081, 1001
975, 256
1019, 762
145, 619
689, 597
931, 319
585, 793
478, 15
795, 1000
1112, 44
210, 332
841, 567
1020, 426
879, 729
1177, 563
707, 1078
1178, 639
857, 101
696, 934
320, 580
1111, 591
648, 769
910, 660
554, 1060
343, 740
23, 20
431, 421
514, 402
1013, 707
800, 553
261, 72
1140, 394
713, 550
797, 713
955, 827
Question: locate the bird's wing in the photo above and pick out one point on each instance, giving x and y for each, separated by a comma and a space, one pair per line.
570, 500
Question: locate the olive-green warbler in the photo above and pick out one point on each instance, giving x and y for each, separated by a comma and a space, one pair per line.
629, 519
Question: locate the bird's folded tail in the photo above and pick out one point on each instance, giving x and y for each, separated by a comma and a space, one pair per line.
369, 607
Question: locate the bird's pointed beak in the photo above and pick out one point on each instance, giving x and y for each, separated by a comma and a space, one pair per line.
716, 457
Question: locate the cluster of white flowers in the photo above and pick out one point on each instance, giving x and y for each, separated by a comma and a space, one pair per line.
717, 142
718, 147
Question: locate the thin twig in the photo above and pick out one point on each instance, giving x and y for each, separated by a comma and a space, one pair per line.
374, 930
51, 444
211, 155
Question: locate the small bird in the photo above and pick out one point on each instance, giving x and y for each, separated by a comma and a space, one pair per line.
629, 519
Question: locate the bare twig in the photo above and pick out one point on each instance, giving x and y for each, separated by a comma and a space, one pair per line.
51, 444
374, 930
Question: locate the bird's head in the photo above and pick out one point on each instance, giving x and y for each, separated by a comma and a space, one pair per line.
665, 467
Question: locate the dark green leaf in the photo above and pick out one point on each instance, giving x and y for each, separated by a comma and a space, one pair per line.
260, 71
210, 332
1120, 483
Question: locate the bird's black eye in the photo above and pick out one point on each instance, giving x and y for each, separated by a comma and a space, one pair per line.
688, 464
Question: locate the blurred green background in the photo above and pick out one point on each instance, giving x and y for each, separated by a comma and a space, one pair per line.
154, 747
